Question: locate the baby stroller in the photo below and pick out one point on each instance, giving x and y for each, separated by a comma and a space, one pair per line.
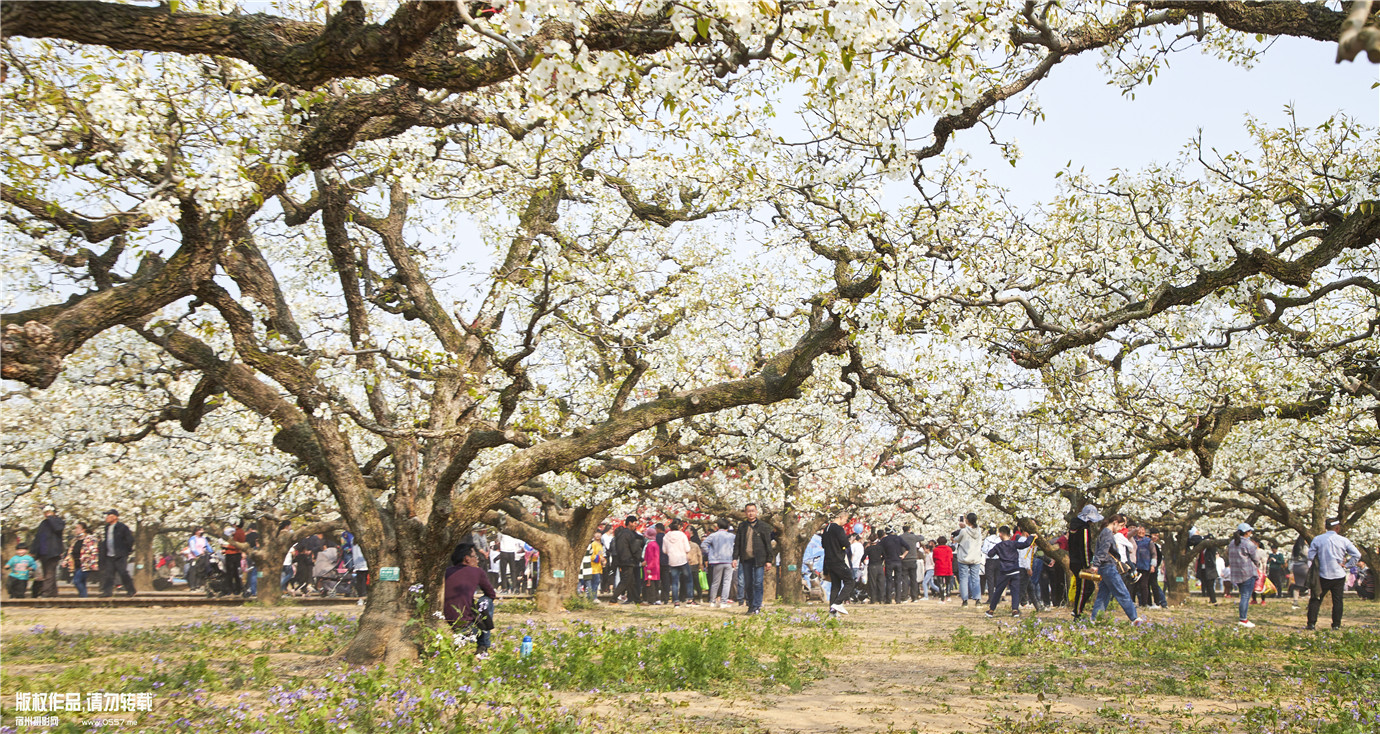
330, 575
334, 583
216, 581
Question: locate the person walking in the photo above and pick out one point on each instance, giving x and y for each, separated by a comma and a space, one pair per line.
696, 555
1205, 568
1241, 552
199, 548
676, 551
610, 571
1156, 568
1262, 564
1278, 571
1082, 546
837, 569
968, 559
1298, 570
752, 549
359, 566
21, 567
531, 568
83, 558
990, 570
663, 588
1330, 554
718, 553
627, 557
1033, 567
925, 567
116, 545
234, 557
870, 573
910, 565
857, 556
1106, 564
1057, 572
47, 547
1145, 564
943, 560
512, 563
1007, 554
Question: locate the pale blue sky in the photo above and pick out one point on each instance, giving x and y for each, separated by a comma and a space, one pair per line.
1093, 125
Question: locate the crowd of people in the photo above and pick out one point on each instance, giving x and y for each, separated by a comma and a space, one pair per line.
322, 563
1097, 560
1109, 559
36, 565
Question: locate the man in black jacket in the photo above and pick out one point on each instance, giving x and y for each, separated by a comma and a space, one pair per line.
838, 567
894, 552
910, 565
47, 548
752, 548
627, 557
116, 544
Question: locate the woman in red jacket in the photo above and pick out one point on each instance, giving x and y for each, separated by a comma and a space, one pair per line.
943, 568
651, 566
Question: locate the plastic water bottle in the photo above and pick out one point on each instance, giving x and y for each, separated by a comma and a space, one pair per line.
526, 645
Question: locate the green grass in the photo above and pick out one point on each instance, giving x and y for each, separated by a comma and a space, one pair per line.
224, 676
1320, 682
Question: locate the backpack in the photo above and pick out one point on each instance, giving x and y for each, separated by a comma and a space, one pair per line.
484, 613
483, 622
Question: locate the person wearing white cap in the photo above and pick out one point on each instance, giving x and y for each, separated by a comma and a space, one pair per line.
233, 535
1330, 554
1082, 540
1241, 554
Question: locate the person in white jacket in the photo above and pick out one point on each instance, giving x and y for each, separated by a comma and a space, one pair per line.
676, 546
718, 553
968, 557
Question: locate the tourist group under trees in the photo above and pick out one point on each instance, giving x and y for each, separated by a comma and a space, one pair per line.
408, 267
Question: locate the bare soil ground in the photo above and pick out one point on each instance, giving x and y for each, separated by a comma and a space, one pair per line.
127, 619
896, 672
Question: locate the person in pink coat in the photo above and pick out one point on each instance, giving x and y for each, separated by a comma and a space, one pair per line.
651, 566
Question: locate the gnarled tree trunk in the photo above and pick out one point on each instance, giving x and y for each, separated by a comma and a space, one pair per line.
1178, 559
143, 572
384, 635
561, 537
273, 547
794, 536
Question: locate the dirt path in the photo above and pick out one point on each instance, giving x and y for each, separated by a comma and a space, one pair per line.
117, 619
896, 672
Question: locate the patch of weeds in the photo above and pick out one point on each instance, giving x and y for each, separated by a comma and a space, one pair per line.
579, 603
204, 687
515, 607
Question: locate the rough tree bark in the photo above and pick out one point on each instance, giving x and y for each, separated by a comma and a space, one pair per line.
561, 536
273, 547
144, 533
415, 527
794, 530
1178, 559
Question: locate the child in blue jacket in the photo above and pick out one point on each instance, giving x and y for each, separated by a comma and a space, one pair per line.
1008, 552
